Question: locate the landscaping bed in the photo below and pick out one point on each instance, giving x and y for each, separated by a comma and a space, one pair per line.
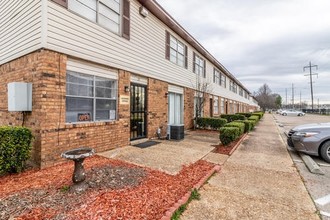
116, 190
227, 149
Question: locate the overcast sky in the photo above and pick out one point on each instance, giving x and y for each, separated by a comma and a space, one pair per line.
264, 41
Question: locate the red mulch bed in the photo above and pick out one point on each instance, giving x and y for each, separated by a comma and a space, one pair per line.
225, 149
116, 190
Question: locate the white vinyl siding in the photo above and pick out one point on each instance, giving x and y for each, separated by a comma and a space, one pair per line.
27, 26
20, 31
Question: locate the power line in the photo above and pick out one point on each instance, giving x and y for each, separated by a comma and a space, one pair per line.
311, 79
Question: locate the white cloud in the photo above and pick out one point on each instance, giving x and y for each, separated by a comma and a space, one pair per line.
263, 41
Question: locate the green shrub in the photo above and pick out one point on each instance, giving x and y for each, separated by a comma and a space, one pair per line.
248, 125
229, 134
254, 117
239, 125
213, 123
233, 117
246, 114
253, 123
15, 147
260, 114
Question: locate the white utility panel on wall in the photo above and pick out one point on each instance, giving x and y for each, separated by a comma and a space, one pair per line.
19, 96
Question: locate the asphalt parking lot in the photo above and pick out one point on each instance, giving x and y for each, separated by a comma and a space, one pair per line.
317, 185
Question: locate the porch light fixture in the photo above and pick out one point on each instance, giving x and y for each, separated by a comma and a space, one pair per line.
126, 88
166, 94
143, 11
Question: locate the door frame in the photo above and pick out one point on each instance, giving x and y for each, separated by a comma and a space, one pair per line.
145, 117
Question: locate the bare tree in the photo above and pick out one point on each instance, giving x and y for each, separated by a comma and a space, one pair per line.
266, 99
202, 90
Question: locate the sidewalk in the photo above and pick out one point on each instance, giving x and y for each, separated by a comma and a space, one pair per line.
259, 181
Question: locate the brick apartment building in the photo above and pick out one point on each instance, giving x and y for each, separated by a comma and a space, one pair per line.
105, 72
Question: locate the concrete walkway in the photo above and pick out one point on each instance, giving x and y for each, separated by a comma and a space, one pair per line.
170, 156
259, 181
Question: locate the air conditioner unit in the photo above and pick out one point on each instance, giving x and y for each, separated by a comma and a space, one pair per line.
176, 132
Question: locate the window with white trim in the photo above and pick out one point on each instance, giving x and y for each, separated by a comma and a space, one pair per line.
199, 66
175, 108
90, 98
216, 77
222, 106
216, 106
223, 80
232, 86
177, 52
104, 12
240, 91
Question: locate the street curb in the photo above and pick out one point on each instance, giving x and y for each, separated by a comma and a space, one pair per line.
184, 199
238, 143
311, 165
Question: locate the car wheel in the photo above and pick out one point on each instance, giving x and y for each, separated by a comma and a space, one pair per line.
284, 114
325, 151
299, 114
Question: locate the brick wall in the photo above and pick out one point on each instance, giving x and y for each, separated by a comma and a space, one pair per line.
157, 107
46, 70
188, 108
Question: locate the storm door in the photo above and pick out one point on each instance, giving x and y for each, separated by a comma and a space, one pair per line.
138, 111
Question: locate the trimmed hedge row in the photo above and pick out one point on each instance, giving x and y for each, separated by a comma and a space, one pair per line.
213, 123
15, 147
233, 117
245, 114
239, 125
249, 125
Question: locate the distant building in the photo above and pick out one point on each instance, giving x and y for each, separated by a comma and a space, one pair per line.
105, 72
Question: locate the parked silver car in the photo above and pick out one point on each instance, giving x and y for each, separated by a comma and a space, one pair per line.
312, 139
292, 112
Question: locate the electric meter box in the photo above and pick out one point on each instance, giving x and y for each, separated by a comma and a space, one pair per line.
19, 96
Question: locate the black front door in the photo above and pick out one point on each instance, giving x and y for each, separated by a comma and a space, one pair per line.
138, 111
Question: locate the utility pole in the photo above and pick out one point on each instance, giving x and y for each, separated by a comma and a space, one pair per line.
310, 66
292, 96
300, 102
286, 98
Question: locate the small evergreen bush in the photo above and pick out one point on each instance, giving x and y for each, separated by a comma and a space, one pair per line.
15, 147
246, 114
239, 125
213, 123
260, 114
248, 125
229, 134
233, 117
254, 117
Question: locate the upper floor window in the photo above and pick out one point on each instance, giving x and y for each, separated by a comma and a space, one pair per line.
222, 80
240, 91
199, 66
90, 98
245, 94
219, 78
233, 86
216, 77
176, 51
111, 14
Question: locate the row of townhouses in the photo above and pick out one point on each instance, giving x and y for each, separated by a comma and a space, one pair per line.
101, 73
